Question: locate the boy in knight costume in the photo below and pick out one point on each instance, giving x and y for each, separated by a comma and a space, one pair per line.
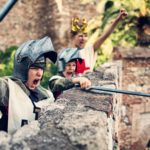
68, 57
79, 38
66, 64
20, 94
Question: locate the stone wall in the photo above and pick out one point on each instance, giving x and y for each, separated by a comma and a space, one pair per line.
37, 18
134, 125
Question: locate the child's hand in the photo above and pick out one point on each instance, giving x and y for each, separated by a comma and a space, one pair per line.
123, 13
83, 81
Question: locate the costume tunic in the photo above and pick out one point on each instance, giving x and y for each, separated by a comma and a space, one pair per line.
18, 104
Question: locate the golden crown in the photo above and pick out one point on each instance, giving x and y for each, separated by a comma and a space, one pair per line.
79, 25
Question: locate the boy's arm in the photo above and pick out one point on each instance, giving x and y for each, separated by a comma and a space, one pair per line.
62, 84
104, 36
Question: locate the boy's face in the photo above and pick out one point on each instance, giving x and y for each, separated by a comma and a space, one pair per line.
79, 40
34, 77
70, 67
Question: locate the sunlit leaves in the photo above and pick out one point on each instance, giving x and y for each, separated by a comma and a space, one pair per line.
126, 32
93, 37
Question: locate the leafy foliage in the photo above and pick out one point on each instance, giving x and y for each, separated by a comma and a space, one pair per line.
126, 32
6, 61
50, 70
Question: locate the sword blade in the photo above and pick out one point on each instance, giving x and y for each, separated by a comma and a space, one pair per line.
98, 88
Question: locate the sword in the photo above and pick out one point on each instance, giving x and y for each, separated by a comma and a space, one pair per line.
98, 89
7, 7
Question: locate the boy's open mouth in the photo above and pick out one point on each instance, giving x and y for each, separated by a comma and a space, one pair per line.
36, 81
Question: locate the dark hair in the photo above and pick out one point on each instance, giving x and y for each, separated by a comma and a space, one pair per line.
72, 60
73, 33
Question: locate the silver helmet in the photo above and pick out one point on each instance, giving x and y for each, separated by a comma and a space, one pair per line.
30, 53
66, 55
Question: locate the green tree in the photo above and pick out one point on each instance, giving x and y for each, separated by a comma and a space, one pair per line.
6, 61
50, 70
127, 32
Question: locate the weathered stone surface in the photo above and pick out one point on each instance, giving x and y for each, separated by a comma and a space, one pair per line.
90, 100
83, 126
4, 140
135, 77
26, 132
